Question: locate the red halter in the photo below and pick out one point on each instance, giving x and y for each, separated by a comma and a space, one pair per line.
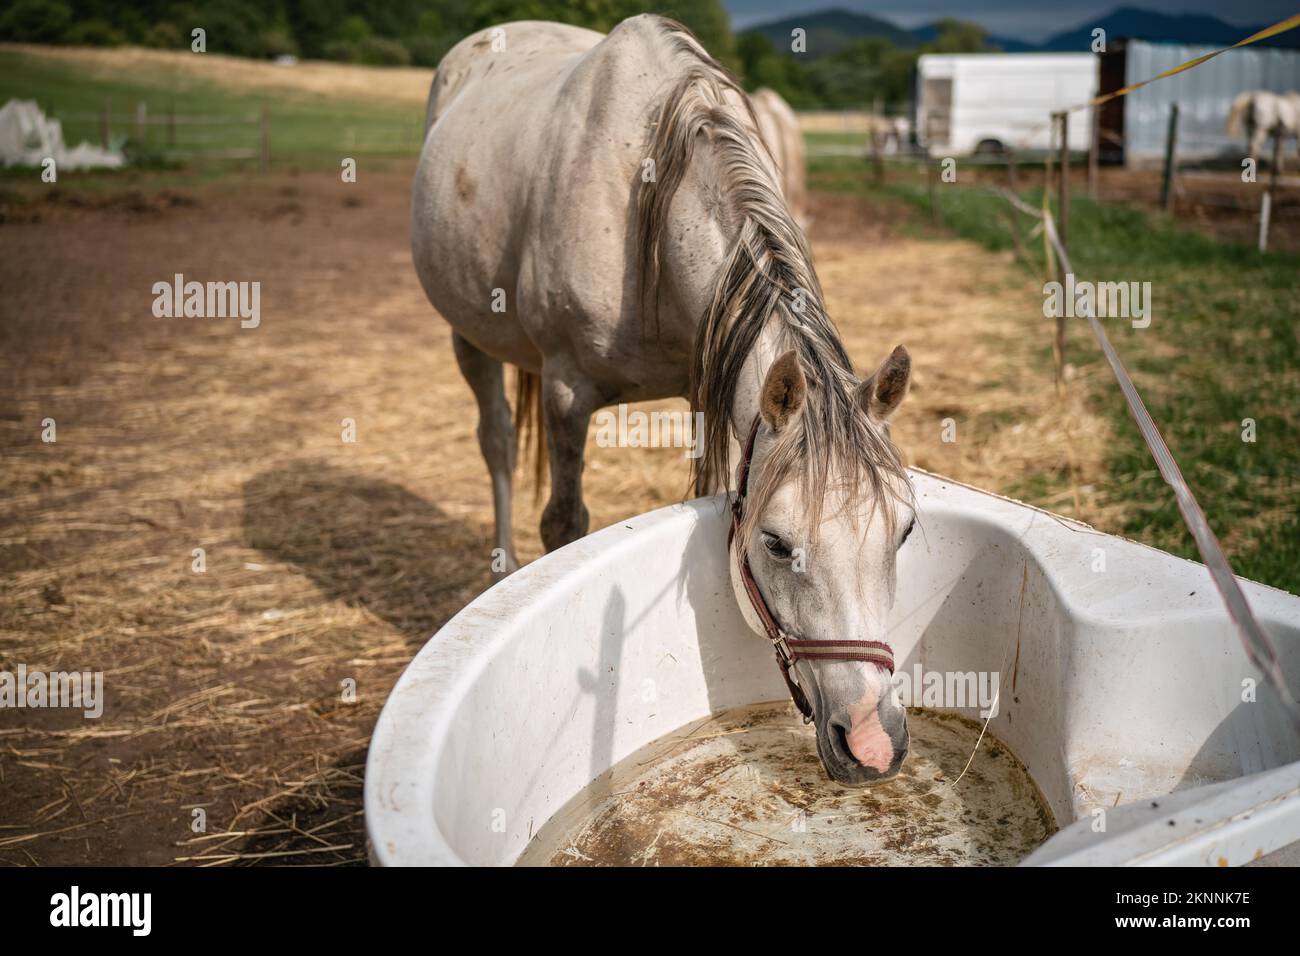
789, 649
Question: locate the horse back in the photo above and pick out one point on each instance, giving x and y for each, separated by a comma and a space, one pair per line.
536, 135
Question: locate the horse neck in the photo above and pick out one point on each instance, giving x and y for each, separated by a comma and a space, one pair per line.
706, 223
769, 345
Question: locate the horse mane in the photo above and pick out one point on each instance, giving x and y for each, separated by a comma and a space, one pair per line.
767, 270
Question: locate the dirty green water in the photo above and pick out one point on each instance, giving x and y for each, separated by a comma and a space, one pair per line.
745, 788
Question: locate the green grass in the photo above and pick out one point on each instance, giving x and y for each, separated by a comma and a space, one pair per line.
1222, 347
306, 130
856, 140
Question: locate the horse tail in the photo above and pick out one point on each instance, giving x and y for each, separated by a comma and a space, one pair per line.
1237, 115
530, 426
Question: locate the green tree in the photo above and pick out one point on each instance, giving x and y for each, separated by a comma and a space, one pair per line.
958, 36
709, 22
36, 21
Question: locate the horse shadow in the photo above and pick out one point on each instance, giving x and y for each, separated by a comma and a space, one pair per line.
369, 543
323, 827
1258, 733
613, 633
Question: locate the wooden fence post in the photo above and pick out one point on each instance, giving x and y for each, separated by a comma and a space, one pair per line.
930, 182
1063, 219
1016, 242
1013, 213
876, 160
141, 120
106, 121
1266, 203
1094, 152
264, 163
1167, 182
171, 124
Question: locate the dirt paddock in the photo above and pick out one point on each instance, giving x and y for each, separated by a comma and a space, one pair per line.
230, 734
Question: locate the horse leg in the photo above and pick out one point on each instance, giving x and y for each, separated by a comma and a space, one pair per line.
496, 439
568, 400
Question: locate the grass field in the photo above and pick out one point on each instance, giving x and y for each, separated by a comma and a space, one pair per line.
1221, 348
307, 128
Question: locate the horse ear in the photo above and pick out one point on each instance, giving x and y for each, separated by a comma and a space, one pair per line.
784, 392
881, 394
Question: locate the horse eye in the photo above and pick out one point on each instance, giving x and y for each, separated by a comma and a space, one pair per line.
776, 547
910, 526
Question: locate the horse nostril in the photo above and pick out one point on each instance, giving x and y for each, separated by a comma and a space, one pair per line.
841, 733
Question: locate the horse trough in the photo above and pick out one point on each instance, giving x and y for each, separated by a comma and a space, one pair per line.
608, 704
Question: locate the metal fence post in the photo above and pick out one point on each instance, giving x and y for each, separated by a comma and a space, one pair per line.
1166, 185
1266, 203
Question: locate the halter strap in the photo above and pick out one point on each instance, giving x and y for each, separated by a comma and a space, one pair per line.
789, 649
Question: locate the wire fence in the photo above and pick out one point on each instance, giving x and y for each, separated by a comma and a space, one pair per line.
1258, 647
1058, 266
263, 136
1179, 186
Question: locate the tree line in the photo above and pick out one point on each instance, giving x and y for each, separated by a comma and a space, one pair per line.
420, 32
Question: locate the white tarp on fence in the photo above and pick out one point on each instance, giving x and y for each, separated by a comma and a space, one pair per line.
28, 138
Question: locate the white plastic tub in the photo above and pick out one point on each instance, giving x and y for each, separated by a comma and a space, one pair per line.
1128, 683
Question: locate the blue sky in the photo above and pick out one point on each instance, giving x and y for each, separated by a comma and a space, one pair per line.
1023, 19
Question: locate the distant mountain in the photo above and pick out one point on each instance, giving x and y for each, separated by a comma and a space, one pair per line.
829, 31
1140, 24
832, 30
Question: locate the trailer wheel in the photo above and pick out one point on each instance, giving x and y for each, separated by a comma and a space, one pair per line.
989, 147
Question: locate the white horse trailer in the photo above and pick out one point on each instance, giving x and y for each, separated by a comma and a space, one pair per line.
987, 102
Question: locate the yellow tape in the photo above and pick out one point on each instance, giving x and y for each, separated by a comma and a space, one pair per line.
1290, 23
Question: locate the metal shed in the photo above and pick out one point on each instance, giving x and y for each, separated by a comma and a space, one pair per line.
1133, 127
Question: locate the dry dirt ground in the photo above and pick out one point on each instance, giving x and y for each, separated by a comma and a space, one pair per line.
329, 563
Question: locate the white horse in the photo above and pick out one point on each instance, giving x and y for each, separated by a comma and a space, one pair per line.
890, 134
601, 213
1262, 114
780, 129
